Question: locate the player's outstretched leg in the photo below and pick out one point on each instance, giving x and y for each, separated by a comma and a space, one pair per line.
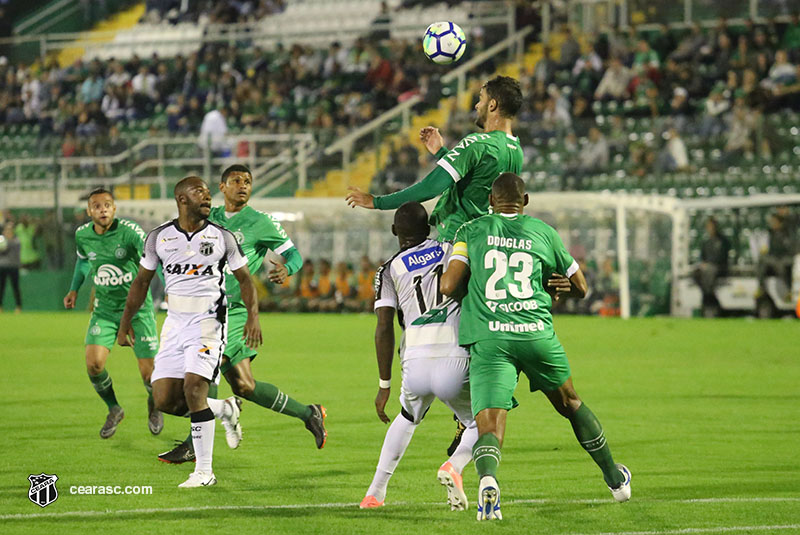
398, 436
591, 437
240, 376
449, 474
183, 452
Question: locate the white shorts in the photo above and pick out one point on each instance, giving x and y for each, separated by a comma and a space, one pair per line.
190, 343
446, 378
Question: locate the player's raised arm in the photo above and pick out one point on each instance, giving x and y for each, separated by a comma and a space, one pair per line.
432, 140
136, 296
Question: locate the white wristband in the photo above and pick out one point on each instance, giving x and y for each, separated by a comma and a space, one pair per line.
384, 383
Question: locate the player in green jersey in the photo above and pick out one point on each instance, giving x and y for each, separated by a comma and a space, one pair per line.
464, 174
257, 233
503, 260
108, 250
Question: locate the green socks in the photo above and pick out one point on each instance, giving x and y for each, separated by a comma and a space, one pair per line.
270, 396
486, 454
102, 384
590, 434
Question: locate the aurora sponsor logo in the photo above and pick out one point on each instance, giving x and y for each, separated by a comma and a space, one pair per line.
110, 275
511, 327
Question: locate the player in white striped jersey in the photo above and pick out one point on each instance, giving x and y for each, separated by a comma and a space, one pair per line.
433, 364
193, 253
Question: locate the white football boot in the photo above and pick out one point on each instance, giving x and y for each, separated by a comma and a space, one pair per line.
489, 499
233, 429
623, 492
199, 479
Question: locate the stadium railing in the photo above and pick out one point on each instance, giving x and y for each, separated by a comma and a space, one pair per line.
646, 14
275, 160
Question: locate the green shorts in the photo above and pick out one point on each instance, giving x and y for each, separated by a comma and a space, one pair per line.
103, 332
495, 366
235, 349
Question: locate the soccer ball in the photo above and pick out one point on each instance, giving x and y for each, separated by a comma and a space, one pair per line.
444, 42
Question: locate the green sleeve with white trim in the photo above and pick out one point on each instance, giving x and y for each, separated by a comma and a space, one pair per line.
429, 187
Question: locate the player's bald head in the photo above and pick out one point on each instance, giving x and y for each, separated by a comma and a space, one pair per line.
411, 220
508, 188
182, 187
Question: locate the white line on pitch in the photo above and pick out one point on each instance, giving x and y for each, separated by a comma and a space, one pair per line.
688, 531
342, 505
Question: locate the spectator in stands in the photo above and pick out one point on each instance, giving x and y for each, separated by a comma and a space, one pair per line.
645, 61
674, 156
214, 131
586, 71
10, 250
740, 130
663, 42
614, 84
714, 109
721, 61
119, 76
365, 292
690, 45
777, 259
713, 262
545, 68
593, 156
679, 108
403, 169
570, 50
791, 39
92, 87
326, 291
27, 230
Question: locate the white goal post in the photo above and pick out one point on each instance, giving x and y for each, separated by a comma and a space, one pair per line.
625, 227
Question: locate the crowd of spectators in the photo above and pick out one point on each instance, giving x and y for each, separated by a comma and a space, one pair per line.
284, 89
321, 287
715, 84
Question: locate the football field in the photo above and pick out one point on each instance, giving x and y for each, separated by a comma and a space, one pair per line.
704, 412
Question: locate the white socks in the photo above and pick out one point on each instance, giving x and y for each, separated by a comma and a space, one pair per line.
398, 436
463, 454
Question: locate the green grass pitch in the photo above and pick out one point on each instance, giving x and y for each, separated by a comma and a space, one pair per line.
703, 412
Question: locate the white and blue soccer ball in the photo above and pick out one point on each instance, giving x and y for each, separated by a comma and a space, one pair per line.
444, 42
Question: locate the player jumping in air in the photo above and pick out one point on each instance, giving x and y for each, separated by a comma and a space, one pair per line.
193, 253
464, 174
434, 365
109, 250
503, 259
256, 233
